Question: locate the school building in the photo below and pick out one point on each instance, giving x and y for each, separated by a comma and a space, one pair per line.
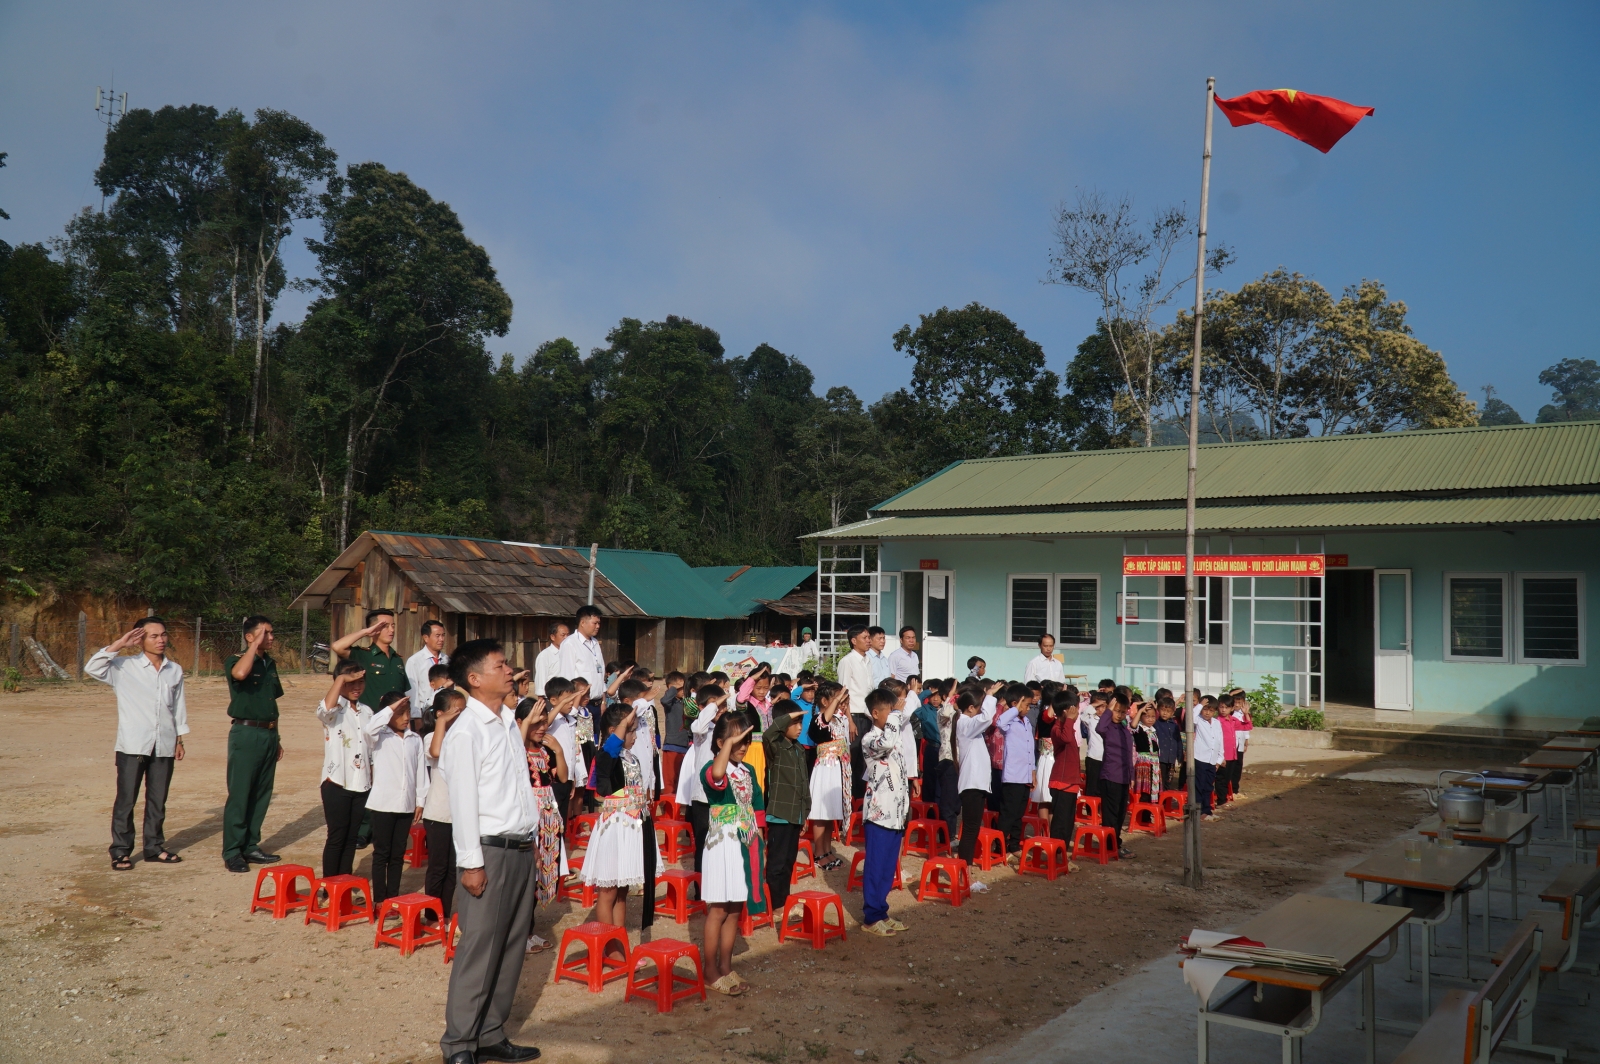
1436, 576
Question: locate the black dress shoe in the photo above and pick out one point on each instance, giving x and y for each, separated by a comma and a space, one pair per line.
463, 1057
506, 1051
256, 856
236, 864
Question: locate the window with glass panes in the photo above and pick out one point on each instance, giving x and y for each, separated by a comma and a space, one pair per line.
1476, 603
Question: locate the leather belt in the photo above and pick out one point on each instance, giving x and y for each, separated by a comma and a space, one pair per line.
501, 842
269, 725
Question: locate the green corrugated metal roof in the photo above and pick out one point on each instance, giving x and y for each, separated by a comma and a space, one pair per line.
1434, 460
663, 585
754, 582
1311, 516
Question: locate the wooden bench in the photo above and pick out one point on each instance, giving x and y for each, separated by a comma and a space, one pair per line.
1577, 891
1469, 1026
1580, 837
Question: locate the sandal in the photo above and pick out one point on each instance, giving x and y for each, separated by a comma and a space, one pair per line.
122, 864
164, 857
727, 986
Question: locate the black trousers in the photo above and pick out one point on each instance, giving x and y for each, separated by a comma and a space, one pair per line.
1169, 775
440, 879
1013, 804
1113, 807
1205, 781
155, 774
700, 824
1063, 815
391, 833
647, 914
994, 790
1091, 776
783, 844
973, 804
343, 811
949, 795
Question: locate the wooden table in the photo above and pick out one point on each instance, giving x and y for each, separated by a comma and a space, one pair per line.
1572, 761
1503, 829
1504, 781
1289, 1004
1573, 742
1427, 889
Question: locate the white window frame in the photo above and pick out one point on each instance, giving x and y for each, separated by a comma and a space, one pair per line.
1053, 609
1050, 597
1508, 608
1583, 621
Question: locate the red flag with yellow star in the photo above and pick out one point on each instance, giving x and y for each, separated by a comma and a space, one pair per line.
1318, 120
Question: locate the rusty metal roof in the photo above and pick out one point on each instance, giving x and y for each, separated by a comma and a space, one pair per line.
490, 577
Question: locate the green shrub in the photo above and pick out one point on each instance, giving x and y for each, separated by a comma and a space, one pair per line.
1265, 705
1304, 718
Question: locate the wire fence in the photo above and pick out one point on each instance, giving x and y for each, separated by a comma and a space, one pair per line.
53, 649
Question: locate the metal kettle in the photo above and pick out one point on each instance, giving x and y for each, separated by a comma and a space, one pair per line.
1460, 805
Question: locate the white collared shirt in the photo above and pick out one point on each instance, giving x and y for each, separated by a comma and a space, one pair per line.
855, 676
399, 772
564, 730
545, 667
878, 661
151, 713
1042, 668
644, 742
972, 754
690, 788
903, 663
582, 656
347, 732
417, 666
1208, 741
486, 768
436, 807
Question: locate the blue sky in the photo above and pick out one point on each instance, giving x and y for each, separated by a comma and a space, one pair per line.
815, 175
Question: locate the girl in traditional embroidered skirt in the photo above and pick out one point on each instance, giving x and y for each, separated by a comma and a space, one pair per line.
832, 732
734, 875
547, 766
614, 860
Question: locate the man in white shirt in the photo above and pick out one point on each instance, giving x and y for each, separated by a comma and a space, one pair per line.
152, 720
418, 664
876, 657
493, 816
903, 663
809, 650
1044, 666
581, 654
855, 671
548, 663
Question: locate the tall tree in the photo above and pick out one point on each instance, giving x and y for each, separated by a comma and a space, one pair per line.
1576, 383
840, 455
1497, 411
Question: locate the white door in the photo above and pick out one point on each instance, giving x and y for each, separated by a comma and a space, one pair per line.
1391, 669
938, 624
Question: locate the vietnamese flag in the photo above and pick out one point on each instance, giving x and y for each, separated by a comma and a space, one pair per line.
1318, 120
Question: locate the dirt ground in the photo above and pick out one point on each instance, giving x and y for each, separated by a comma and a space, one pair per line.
164, 963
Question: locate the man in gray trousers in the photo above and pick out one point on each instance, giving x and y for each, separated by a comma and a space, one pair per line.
492, 808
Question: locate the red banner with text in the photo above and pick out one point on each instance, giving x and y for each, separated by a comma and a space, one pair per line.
1224, 565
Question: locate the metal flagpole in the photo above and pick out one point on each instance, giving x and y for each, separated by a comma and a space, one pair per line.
1193, 873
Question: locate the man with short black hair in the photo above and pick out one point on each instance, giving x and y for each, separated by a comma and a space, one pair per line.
254, 747
548, 663
581, 654
493, 814
418, 665
152, 719
875, 656
903, 663
386, 669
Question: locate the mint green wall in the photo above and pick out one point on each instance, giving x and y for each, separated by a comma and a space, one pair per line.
1496, 691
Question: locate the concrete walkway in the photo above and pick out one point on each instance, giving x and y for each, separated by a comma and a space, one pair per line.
1150, 1016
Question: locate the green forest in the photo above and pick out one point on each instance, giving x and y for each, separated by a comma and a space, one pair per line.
161, 436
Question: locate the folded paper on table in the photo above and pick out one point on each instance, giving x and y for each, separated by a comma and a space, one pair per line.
1202, 974
1212, 954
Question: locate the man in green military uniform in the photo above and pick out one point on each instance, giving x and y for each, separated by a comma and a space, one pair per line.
386, 671
254, 749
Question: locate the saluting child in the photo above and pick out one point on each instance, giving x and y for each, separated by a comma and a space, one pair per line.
734, 877
399, 789
885, 806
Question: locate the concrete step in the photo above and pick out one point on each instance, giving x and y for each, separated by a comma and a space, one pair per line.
1457, 744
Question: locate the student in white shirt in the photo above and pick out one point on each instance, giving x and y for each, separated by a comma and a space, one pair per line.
1044, 666
563, 728
973, 768
638, 694
440, 879
548, 664
713, 701
1095, 751
581, 654
1208, 756
347, 730
418, 664
399, 790
152, 719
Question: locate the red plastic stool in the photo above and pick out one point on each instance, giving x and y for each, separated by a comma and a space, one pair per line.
954, 886
663, 987
748, 923
286, 897
417, 852
855, 834
579, 828
1032, 808
805, 866
919, 809
340, 907
678, 840
927, 838
1032, 825
813, 917
1043, 857
573, 888
1088, 809
1173, 803
1147, 816
855, 804
665, 809
991, 819
677, 902
412, 932
1095, 843
853, 880
991, 848
450, 938
594, 969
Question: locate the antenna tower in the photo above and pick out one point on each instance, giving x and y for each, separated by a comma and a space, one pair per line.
110, 108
